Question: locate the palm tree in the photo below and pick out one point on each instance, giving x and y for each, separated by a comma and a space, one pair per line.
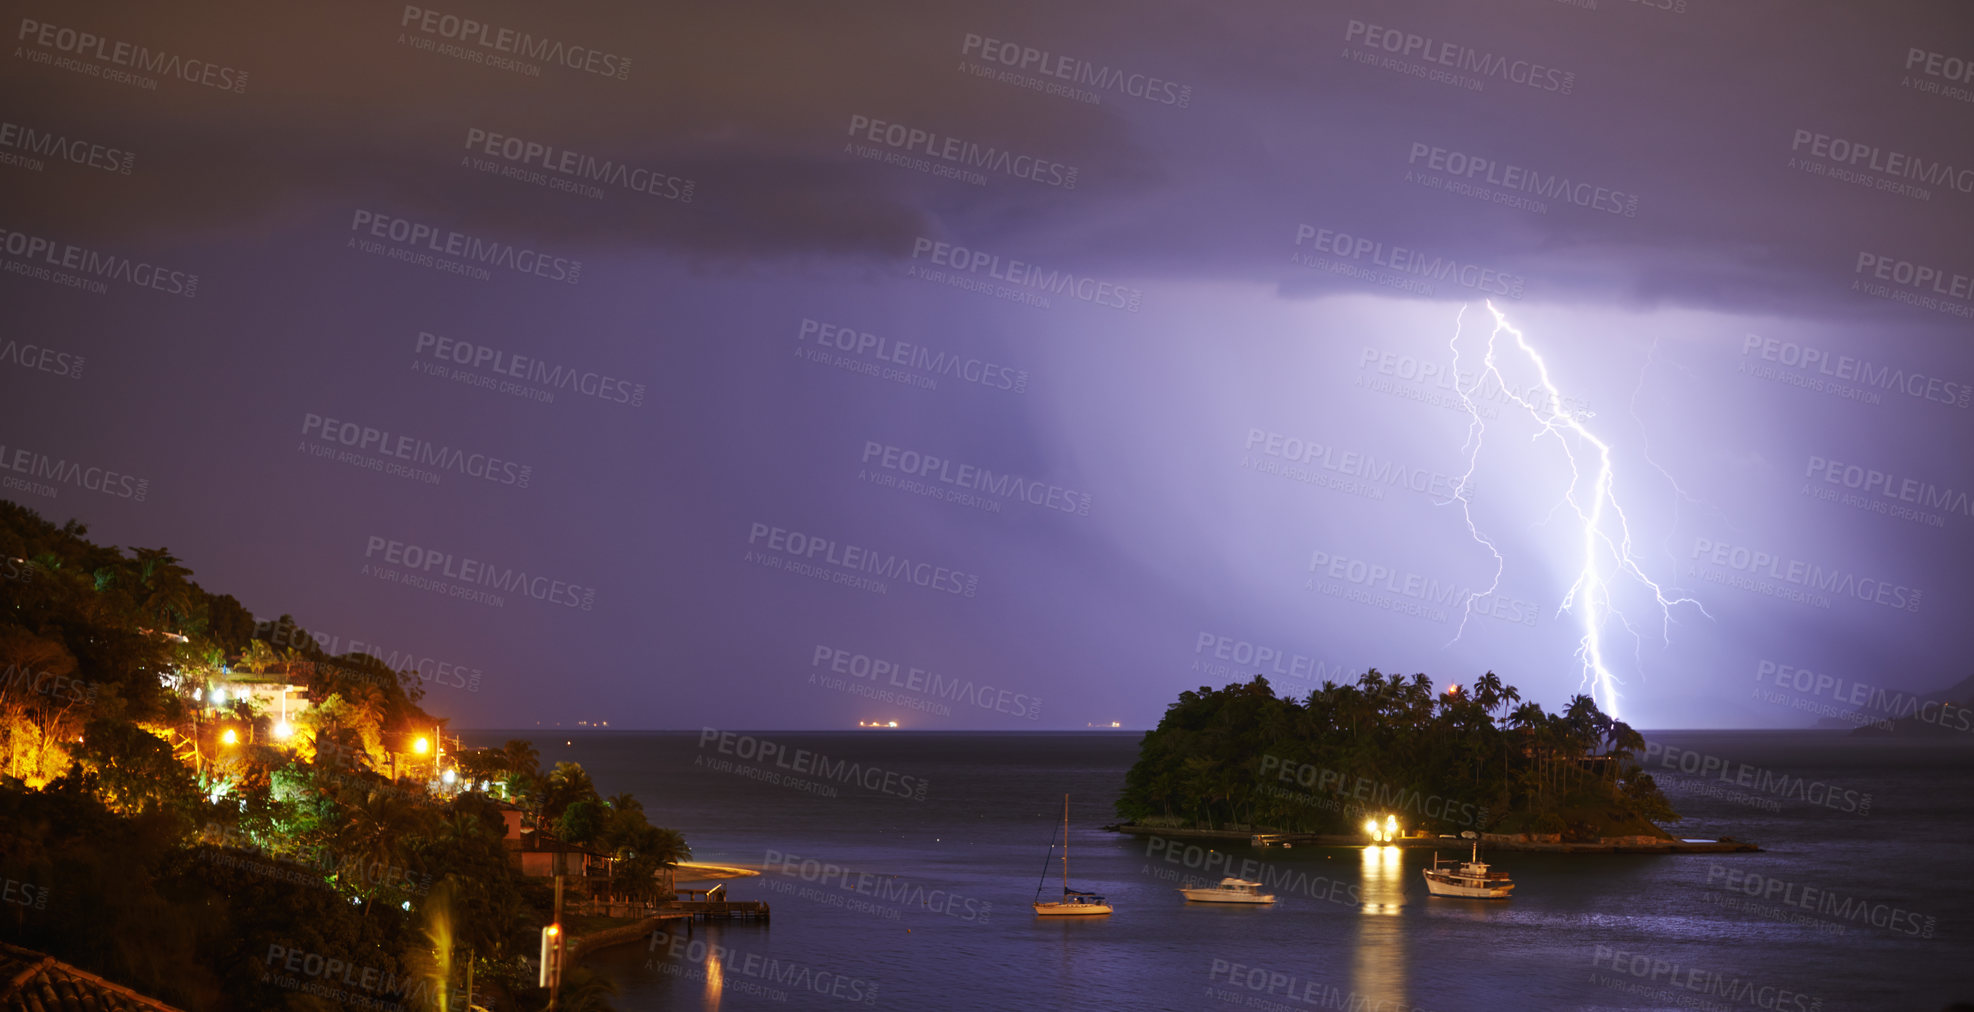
523, 765
626, 802
258, 657
379, 828
567, 784
1531, 725
167, 594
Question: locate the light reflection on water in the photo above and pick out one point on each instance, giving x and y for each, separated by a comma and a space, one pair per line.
1377, 963
986, 826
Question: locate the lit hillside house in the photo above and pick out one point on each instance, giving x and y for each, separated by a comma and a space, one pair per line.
544, 858
539, 855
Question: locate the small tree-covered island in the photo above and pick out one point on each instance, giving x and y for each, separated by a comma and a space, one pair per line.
222, 813
1393, 752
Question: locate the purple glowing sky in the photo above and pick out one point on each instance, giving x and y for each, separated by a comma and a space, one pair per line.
1656, 323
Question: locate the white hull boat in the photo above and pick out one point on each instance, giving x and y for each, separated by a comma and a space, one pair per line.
1470, 879
1230, 890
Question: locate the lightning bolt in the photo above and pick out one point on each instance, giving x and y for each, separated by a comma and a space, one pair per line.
1605, 540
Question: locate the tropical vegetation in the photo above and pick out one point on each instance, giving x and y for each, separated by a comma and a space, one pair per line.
1467, 758
186, 844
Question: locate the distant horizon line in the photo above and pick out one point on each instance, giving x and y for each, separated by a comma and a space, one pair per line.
984, 730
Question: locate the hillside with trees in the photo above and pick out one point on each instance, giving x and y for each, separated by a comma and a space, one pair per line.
1244, 758
176, 840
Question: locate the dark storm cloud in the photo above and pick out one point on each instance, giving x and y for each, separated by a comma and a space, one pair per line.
748, 420
758, 119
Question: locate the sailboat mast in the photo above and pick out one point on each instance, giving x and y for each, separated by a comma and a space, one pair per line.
1065, 844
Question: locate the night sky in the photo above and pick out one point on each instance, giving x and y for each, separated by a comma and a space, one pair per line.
1023, 365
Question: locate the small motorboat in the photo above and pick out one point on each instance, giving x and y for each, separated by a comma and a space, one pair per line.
1230, 890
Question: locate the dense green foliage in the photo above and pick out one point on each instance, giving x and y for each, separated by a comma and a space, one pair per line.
192, 869
1243, 757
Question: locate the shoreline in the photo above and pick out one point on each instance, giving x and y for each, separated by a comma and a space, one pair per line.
707, 872
1607, 845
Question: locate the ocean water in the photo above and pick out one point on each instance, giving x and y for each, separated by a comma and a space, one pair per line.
885, 899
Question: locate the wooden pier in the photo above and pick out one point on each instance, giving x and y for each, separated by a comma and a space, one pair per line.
713, 905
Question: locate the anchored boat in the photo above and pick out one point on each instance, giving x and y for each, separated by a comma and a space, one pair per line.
1230, 890
1472, 879
1074, 903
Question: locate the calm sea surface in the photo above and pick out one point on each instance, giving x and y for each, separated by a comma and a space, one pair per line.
1862, 898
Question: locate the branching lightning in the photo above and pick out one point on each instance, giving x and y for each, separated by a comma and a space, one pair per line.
1605, 533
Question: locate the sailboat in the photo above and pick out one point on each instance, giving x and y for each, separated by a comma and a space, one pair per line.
1073, 903
1471, 879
